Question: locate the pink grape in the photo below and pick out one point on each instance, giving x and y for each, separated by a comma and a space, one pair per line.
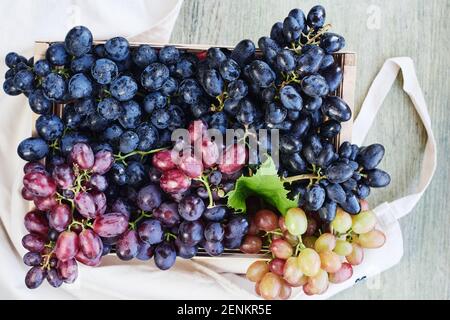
81, 257
85, 204
64, 176
121, 206
343, 274
27, 195
277, 266
191, 166
372, 239
330, 261
163, 161
197, 130
110, 224
68, 270
234, 159
45, 204
100, 202
60, 217
251, 244
67, 245
282, 223
33, 242
103, 161
211, 152
270, 286
326, 242
36, 222
312, 226
356, 257
174, 181
309, 262
317, 284
266, 220
257, 270
286, 290
33, 167
309, 241
98, 182
39, 184
90, 244
82, 155
281, 249
292, 273
127, 246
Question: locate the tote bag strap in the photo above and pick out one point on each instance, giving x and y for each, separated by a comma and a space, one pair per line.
371, 105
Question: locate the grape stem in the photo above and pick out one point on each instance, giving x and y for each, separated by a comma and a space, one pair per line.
141, 216
204, 179
121, 158
308, 176
300, 246
169, 235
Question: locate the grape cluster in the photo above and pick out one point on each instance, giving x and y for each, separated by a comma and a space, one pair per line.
303, 255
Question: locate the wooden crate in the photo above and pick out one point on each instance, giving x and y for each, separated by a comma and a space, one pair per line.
233, 260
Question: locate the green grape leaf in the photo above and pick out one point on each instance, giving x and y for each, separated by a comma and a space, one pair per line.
266, 185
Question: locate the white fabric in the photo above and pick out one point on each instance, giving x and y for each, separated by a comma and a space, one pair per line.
146, 21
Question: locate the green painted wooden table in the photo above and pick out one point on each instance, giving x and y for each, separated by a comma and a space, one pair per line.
375, 30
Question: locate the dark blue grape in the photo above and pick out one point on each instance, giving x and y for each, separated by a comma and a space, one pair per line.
362, 191
327, 212
24, 80
53, 278
327, 61
212, 83
237, 227
231, 106
336, 108
83, 63
112, 134
144, 55
345, 150
314, 198
70, 139
215, 214
49, 127
370, 156
330, 129
95, 122
148, 136
12, 59
154, 100
326, 155
289, 144
167, 213
351, 204
310, 61
145, 251
110, 109
185, 68
215, 177
151, 231
54, 86
349, 185
160, 118
243, 52
131, 116
276, 34
128, 142
237, 89
154, 76
332, 42
291, 29
213, 248
290, 98
39, 103
377, 178
57, 55
294, 163
117, 49
190, 232
232, 243
336, 193
214, 232
201, 108
275, 113
123, 88
118, 174
99, 51
80, 86
170, 87
78, 41
269, 48
215, 57
169, 55
104, 71
190, 91
229, 70
165, 255
34, 278
261, 74
32, 259
191, 208
316, 17
315, 85
219, 121
285, 60
298, 15
185, 251
71, 118
85, 106
333, 75
247, 112
301, 127
339, 172
32, 149
177, 118
136, 173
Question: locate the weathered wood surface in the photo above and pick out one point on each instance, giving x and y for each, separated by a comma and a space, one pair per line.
376, 30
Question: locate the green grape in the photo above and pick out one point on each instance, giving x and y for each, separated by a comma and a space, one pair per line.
317, 284
309, 262
330, 261
296, 221
364, 222
285, 291
342, 222
372, 239
257, 270
292, 273
343, 248
326, 242
357, 255
270, 286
